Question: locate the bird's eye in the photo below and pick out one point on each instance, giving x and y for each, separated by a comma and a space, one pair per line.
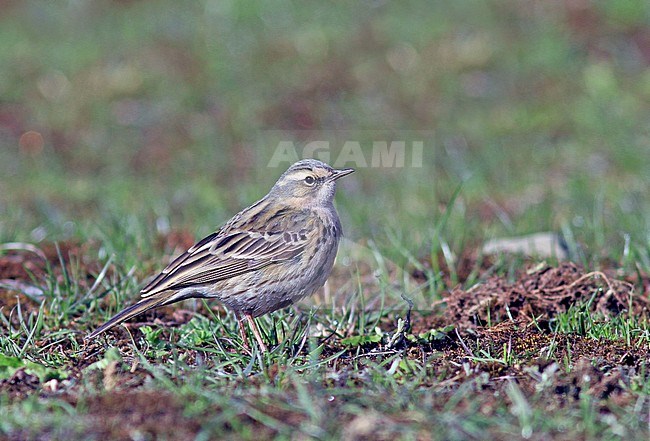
309, 180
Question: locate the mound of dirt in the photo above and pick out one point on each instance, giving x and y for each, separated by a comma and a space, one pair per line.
540, 294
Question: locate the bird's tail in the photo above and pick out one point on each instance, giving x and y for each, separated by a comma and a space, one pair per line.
163, 298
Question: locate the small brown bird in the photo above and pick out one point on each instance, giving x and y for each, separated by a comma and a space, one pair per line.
268, 256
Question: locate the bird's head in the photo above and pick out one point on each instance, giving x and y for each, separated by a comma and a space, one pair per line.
308, 182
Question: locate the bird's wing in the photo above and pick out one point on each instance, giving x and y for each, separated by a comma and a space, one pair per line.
225, 254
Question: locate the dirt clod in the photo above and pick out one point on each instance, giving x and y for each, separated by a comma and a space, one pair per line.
542, 294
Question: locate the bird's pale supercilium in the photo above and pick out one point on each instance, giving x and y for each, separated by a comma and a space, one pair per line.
268, 256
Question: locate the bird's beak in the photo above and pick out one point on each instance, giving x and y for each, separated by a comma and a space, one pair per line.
336, 174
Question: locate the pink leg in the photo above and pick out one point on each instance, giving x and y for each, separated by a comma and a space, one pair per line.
242, 332
256, 332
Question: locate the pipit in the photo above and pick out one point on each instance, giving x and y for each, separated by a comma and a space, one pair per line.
268, 256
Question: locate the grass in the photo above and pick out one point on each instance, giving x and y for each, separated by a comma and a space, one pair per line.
128, 129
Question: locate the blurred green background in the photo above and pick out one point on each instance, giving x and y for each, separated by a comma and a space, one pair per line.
168, 113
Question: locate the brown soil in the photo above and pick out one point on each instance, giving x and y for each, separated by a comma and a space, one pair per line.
541, 294
119, 415
20, 385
